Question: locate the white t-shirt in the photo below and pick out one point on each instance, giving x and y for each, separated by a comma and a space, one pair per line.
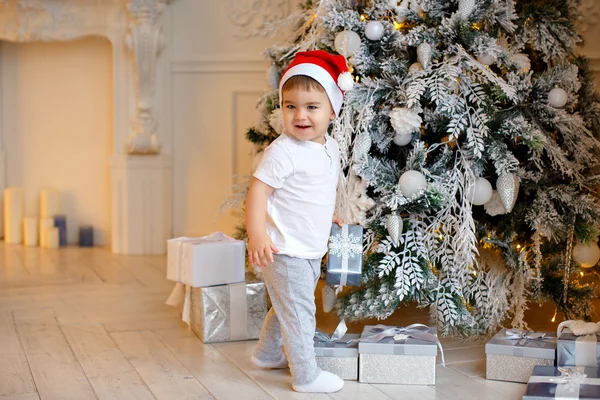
305, 176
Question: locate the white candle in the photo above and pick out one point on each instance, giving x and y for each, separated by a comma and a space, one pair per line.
14, 207
52, 238
45, 224
30, 231
49, 203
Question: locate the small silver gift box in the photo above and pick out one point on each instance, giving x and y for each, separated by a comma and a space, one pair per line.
344, 262
338, 357
512, 353
564, 383
580, 351
227, 313
392, 355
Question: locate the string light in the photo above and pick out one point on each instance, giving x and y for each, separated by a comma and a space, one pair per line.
476, 26
364, 17
398, 25
555, 312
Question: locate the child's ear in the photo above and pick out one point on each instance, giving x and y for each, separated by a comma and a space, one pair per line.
332, 116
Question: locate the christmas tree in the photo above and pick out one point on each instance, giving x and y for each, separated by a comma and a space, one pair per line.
451, 99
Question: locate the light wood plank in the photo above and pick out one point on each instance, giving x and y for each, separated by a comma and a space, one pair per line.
109, 373
412, 392
28, 396
219, 375
353, 390
159, 368
55, 369
277, 383
455, 385
15, 376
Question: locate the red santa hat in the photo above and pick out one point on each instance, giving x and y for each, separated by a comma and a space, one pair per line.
330, 70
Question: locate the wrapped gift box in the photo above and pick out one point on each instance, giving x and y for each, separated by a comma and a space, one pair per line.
581, 351
399, 358
211, 260
344, 263
512, 354
228, 313
564, 383
338, 357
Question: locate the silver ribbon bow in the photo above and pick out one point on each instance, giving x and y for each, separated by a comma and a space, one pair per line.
415, 331
524, 336
571, 378
337, 335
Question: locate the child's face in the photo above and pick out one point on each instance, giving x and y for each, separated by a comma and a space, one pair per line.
306, 114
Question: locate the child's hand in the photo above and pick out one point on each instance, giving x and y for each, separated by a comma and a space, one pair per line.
338, 220
260, 250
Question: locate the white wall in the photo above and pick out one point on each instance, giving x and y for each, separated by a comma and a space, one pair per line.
215, 80
58, 126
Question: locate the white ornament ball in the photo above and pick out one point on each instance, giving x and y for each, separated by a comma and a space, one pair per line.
482, 192
587, 255
346, 43
415, 67
402, 140
487, 59
374, 30
557, 98
411, 183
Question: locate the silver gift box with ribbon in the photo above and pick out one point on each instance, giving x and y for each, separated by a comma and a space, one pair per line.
344, 262
339, 356
228, 313
512, 353
564, 383
398, 355
581, 351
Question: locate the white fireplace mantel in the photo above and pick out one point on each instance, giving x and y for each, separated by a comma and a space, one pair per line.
137, 40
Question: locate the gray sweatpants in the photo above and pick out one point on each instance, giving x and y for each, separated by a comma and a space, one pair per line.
291, 284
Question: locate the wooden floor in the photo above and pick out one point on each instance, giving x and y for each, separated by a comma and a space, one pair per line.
85, 324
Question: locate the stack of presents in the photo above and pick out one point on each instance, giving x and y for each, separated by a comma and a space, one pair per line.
221, 305
562, 365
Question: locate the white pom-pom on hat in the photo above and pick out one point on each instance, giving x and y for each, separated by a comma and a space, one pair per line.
345, 81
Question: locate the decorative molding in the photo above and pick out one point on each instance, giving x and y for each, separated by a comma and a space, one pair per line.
146, 41
235, 125
251, 15
589, 15
220, 64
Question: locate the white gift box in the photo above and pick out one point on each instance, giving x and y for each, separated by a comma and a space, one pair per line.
216, 259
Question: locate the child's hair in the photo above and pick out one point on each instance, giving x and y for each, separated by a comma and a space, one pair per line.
302, 82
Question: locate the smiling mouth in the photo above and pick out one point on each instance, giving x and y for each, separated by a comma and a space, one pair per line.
302, 126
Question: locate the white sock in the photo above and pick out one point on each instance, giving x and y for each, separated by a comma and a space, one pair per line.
326, 382
281, 363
